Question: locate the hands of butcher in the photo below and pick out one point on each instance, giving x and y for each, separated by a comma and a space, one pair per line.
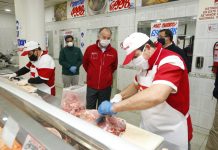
105, 108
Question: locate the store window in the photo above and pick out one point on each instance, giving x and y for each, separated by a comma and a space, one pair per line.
185, 34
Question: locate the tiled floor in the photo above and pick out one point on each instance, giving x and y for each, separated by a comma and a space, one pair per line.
199, 139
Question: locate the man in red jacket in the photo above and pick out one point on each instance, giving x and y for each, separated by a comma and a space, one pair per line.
99, 61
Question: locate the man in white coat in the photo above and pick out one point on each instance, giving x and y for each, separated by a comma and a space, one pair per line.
160, 90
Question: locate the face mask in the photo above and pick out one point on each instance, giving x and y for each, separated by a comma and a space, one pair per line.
140, 62
70, 44
105, 43
33, 58
162, 41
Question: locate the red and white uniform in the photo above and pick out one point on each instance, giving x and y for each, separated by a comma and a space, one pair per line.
44, 67
171, 118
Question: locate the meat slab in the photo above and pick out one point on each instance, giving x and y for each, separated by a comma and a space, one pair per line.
72, 104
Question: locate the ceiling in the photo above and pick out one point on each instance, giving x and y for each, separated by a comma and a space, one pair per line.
9, 4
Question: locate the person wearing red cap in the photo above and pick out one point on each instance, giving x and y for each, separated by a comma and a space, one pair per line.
41, 67
160, 90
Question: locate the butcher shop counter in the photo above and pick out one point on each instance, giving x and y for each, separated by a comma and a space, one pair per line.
44, 109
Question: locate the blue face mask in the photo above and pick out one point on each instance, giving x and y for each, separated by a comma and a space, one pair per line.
33, 57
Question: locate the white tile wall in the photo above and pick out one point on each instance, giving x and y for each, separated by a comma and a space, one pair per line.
8, 33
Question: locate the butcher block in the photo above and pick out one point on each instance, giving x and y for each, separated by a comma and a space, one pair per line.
142, 138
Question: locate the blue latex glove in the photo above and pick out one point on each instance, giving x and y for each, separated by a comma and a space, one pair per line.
73, 69
105, 108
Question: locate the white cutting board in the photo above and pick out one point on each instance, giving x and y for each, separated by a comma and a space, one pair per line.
142, 138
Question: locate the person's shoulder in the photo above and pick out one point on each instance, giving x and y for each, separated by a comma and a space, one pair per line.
92, 47
171, 58
46, 57
113, 49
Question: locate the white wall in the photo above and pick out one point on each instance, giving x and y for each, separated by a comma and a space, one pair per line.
202, 107
7, 33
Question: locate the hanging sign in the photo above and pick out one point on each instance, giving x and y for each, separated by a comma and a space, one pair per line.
76, 8
157, 26
116, 5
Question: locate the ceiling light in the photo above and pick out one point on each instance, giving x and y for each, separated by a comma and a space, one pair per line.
158, 20
8, 10
5, 118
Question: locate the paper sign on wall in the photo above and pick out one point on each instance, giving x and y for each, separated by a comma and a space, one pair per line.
208, 10
157, 26
9, 132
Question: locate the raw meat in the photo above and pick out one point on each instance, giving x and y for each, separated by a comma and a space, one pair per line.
111, 124
89, 115
72, 104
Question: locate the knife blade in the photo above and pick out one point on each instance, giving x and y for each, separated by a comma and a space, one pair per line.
100, 119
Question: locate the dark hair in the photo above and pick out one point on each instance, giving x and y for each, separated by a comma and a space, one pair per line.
68, 36
148, 42
168, 33
106, 28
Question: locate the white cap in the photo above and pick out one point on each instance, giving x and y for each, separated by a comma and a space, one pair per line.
29, 46
133, 42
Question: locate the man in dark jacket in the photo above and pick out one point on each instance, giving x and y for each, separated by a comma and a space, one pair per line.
165, 37
70, 59
100, 61
212, 141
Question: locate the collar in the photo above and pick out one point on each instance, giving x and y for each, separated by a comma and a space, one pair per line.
154, 56
169, 45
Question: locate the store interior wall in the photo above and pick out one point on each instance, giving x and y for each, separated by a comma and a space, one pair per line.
7, 33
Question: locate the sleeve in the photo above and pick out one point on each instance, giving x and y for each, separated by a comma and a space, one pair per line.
62, 59
170, 72
22, 71
85, 60
114, 65
46, 68
36, 80
215, 90
79, 61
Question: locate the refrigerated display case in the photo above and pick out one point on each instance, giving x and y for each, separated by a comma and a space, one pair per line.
41, 110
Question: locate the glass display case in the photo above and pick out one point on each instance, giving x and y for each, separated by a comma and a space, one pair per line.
35, 113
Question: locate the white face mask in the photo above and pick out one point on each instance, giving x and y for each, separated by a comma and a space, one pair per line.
70, 44
140, 62
104, 43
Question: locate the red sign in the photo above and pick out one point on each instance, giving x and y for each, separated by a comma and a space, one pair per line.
78, 11
116, 5
77, 8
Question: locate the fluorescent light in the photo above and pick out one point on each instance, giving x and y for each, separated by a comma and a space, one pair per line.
5, 118
8, 10
158, 20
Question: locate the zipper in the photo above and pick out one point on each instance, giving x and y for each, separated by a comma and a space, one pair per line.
100, 72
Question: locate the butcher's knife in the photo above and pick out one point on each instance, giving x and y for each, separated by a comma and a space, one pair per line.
100, 119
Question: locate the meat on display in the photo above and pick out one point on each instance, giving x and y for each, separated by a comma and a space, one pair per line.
72, 104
